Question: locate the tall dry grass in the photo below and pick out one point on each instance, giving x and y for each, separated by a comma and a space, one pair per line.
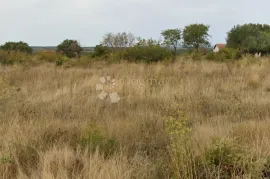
53, 125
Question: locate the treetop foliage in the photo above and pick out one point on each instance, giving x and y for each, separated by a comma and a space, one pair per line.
118, 40
250, 38
70, 48
172, 38
196, 36
17, 46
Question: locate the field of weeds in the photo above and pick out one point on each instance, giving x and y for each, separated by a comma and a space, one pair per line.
187, 119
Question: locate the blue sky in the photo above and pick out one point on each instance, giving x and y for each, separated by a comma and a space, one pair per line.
48, 22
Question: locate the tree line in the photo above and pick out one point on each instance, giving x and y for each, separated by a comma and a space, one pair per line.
247, 38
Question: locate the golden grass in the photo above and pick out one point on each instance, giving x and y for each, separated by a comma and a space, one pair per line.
47, 114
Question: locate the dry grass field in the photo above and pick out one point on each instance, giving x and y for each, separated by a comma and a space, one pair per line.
188, 119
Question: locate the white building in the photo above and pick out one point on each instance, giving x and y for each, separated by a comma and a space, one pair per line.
217, 47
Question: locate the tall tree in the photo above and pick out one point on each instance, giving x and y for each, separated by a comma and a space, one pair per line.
172, 38
196, 35
250, 38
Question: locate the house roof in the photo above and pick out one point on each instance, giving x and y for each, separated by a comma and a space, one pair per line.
220, 45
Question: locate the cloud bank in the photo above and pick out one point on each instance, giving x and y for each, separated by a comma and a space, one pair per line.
48, 22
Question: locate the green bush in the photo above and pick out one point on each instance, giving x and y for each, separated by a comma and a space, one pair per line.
230, 53
11, 57
211, 56
228, 158
17, 47
61, 60
147, 54
70, 48
266, 168
84, 61
100, 51
197, 56
224, 55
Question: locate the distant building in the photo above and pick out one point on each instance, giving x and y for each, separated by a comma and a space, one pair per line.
217, 47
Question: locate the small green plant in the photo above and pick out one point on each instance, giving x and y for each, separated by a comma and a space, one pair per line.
266, 168
6, 159
93, 138
61, 60
228, 158
178, 129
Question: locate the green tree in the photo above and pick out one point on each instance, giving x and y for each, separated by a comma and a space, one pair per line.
250, 38
196, 36
100, 51
172, 38
17, 46
70, 48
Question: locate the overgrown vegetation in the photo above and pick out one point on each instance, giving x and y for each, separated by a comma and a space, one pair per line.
250, 38
201, 119
147, 54
184, 116
225, 54
114, 47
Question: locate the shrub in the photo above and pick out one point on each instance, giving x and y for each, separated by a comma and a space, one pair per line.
48, 56
100, 51
178, 130
224, 54
147, 54
211, 56
197, 56
83, 61
61, 60
11, 57
17, 47
231, 53
266, 170
228, 158
70, 48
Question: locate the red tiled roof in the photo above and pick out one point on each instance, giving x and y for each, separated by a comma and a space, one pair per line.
220, 45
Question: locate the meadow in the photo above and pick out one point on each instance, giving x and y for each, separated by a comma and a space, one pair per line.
183, 119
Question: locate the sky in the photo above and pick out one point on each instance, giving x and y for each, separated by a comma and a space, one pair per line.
48, 22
